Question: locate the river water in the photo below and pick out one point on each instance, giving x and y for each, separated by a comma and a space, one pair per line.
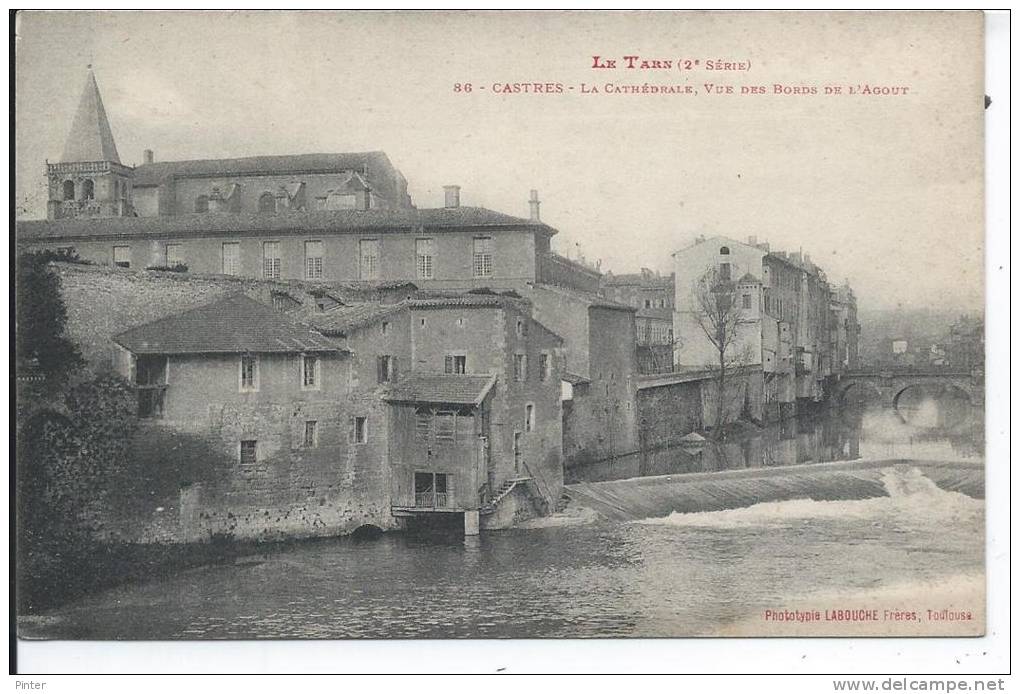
917, 548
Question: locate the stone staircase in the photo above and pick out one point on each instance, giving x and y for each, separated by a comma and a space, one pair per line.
502, 492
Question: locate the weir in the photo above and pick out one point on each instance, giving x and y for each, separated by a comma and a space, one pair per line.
651, 497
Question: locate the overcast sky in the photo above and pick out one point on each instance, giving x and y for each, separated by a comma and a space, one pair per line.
883, 191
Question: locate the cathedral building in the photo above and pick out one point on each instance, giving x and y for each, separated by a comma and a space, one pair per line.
328, 217
90, 180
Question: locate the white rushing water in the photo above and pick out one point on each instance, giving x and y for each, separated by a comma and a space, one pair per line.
911, 497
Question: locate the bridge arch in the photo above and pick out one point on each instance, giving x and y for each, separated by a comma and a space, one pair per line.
963, 389
892, 385
845, 387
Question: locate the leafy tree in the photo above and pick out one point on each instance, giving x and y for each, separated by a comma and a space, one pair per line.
41, 317
68, 464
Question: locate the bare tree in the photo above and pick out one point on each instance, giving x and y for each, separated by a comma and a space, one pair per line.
719, 315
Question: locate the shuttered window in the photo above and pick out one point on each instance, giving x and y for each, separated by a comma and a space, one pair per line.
520, 367
446, 426
543, 367
310, 373
174, 254
271, 260
386, 368
369, 265
483, 257
455, 364
249, 455
231, 258
423, 258
122, 256
311, 434
313, 260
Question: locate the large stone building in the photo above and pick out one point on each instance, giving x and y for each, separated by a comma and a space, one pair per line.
301, 417
800, 331
327, 220
316, 217
90, 180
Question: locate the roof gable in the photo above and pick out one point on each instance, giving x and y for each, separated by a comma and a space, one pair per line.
344, 320
235, 324
443, 389
277, 164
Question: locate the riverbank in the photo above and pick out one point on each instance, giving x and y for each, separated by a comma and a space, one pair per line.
694, 574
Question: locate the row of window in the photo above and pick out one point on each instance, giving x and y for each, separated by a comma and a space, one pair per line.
358, 434
87, 190
311, 378
248, 379
457, 364
369, 258
657, 303
386, 370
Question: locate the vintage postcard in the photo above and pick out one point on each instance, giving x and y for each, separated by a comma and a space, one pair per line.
362, 325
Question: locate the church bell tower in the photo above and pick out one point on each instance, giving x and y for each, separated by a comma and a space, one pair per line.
89, 180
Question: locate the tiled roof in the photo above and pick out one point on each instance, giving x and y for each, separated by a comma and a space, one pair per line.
235, 324
588, 298
157, 172
575, 380
371, 285
323, 221
639, 279
442, 389
90, 138
426, 299
345, 319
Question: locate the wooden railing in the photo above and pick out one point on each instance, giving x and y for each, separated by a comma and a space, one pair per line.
431, 500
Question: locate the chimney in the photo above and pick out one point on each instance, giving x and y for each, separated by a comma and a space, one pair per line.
534, 203
752, 240
452, 196
216, 202
147, 157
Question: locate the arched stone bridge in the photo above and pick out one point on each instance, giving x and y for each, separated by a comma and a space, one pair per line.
892, 383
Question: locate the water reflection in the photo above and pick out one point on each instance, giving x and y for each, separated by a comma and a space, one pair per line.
927, 424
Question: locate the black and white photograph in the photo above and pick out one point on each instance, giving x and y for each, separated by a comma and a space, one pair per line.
498, 325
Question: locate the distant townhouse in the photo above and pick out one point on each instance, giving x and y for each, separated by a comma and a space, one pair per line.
652, 294
799, 330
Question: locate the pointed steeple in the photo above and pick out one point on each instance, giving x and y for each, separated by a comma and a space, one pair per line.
90, 138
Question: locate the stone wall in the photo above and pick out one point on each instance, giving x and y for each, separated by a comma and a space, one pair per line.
194, 486
103, 301
555, 269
